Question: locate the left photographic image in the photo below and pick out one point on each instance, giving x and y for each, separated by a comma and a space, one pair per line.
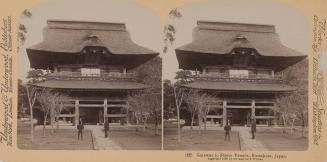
89, 79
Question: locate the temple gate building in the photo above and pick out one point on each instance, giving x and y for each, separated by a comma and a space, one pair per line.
241, 65
93, 63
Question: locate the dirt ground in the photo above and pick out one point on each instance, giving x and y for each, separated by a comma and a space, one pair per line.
130, 139
207, 140
62, 139
275, 140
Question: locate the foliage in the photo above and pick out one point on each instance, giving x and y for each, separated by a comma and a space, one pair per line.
147, 104
36, 75
183, 77
22, 29
295, 105
22, 99
170, 30
169, 100
50, 104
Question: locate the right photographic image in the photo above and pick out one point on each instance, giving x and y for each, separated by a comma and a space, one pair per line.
235, 77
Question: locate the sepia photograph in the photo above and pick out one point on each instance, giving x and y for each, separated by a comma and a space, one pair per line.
235, 80
89, 77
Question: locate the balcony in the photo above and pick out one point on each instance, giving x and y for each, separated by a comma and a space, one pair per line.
80, 76
277, 78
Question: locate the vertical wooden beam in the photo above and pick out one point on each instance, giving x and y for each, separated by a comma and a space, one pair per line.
224, 112
105, 109
76, 112
127, 113
275, 115
253, 109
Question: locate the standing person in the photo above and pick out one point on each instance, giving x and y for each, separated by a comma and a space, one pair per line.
106, 128
253, 128
227, 129
80, 128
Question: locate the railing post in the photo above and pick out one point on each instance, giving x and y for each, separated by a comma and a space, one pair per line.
275, 115
76, 112
253, 109
105, 109
224, 112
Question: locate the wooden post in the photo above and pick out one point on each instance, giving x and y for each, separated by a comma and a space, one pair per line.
76, 112
275, 116
224, 112
105, 109
253, 109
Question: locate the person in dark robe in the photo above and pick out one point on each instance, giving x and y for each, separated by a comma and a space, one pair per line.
106, 128
227, 129
80, 128
253, 128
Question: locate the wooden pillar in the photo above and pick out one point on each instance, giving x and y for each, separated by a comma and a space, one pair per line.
275, 116
224, 112
76, 112
127, 114
105, 109
253, 109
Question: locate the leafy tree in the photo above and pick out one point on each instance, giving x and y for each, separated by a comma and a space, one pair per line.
22, 29
150, 99
184, 77
294, 106
51, 105
139, 104
170, 30
36, 75
169, 100
22, 99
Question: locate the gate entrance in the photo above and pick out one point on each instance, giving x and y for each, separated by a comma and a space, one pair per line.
239, 117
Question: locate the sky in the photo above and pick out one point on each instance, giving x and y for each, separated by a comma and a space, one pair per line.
291, 24
144, 24
141, 22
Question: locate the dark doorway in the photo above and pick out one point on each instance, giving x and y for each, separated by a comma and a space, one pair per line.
89, 115
238, 117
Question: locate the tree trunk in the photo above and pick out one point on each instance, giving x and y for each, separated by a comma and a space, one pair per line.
205, 123
156, 123
192, 121
178, 124
292, 126
200, 122
284, 123
31, 113
57, 119
303, 124
144, 124
44, 124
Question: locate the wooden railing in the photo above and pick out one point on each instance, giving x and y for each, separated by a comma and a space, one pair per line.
80, 76
231, 77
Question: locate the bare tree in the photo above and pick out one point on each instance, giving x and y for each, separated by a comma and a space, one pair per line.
31, 95
193, 103
179, 96
138, 103
59, 106
49, 102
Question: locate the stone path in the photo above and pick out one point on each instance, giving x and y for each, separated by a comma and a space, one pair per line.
246, 141
100, 142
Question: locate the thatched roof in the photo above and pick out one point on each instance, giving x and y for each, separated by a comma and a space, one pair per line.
240, 86
220, 39
91, 85
71, 37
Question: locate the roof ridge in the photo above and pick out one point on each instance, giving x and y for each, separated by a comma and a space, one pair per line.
85, 25
233, 26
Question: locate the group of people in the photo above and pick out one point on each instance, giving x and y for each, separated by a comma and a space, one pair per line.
228, 128
80, 128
